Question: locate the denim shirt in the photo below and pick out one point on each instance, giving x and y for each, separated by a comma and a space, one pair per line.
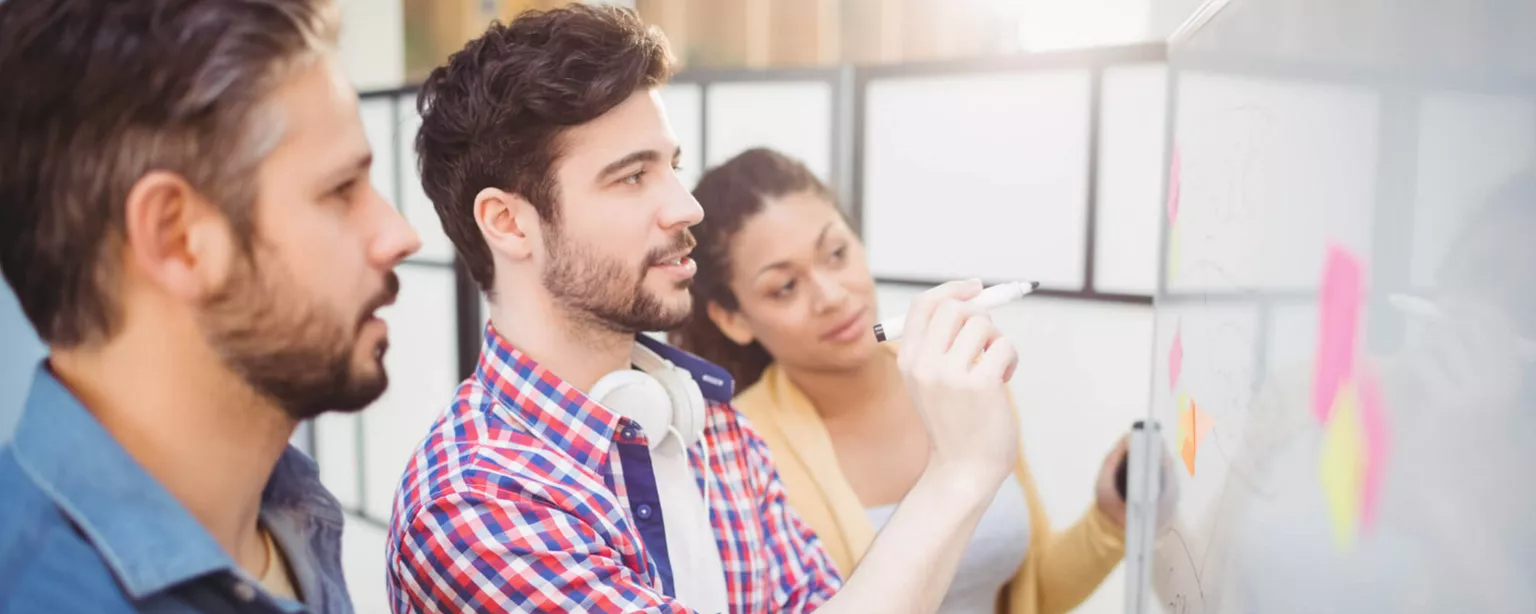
83, 528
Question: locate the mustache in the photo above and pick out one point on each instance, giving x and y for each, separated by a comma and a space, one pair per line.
385, 297
684, 241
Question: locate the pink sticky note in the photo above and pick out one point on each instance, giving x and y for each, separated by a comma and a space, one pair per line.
1338, 319
1175, 360
1173, 186
1374, 428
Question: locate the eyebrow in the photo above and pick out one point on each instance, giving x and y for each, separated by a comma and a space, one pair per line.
648, 155
821, 239
361, 162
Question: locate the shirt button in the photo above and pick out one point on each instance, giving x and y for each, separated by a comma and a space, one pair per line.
643, 511
629, 433
245, 592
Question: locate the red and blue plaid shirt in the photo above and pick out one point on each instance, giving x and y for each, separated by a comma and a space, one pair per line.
526, 496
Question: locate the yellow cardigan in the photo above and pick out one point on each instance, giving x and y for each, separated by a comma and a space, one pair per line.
1060, 569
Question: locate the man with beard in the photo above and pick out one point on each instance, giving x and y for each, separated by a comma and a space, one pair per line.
586, 467
187, 220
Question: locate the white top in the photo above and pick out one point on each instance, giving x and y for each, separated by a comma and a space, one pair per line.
995, 554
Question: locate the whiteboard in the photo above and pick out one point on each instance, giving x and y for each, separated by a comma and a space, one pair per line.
418, 210
1273, 170
793, 117
1468, 144
1337, 445
685, 113
998, 190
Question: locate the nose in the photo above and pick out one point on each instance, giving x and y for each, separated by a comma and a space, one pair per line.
829, 290
681, 209
394, 240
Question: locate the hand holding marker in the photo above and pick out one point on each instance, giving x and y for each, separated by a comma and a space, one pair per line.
891, 328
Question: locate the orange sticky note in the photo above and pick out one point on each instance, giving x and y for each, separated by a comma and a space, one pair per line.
1193, 425
1338, 321
1341, 466
1187, 451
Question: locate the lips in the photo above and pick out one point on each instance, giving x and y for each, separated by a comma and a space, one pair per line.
385, 298
847, 329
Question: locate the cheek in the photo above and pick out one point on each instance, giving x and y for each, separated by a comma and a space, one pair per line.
783, 328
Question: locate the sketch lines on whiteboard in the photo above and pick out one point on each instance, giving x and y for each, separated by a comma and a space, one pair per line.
1211, 211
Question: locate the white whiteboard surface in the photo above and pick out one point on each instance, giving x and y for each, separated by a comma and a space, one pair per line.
793, 117
685, 113
1272, 171
1469, 145
978, 176
435, 246
423, 370
1132, 145
379, 125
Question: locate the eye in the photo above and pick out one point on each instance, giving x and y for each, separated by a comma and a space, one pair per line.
839, 254
344, 191
633, 179
784, 290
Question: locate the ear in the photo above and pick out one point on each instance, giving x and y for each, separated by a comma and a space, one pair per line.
509, 223
731, 323
175, 237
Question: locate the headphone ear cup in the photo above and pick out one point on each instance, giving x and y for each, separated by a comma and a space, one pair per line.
639, 397
688, 407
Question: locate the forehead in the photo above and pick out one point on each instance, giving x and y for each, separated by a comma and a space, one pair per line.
318, 112
786, 227
637, 124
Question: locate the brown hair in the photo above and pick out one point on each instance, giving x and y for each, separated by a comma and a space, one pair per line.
97, 94
492, 116
731, 194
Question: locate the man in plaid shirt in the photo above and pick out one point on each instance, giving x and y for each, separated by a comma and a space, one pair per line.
548, 156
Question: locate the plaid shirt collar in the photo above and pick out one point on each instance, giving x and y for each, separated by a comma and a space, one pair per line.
548, 406
561, 415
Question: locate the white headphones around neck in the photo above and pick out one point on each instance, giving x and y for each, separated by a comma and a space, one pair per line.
660, 396
666, 402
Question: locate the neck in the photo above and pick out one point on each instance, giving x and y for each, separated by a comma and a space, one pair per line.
574, 348
850, 392
194, 426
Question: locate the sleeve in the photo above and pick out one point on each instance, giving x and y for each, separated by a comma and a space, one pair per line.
806, 576
468, 552
1070, 564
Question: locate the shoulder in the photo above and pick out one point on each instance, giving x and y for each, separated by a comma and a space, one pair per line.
44, 564
757, 402
475, 460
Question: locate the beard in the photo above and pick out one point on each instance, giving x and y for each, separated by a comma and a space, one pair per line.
294, 351
608, 292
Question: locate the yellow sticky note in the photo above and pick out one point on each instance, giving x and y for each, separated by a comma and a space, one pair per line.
1341, 466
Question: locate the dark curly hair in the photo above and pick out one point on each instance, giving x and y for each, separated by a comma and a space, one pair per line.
731, 194
492, 116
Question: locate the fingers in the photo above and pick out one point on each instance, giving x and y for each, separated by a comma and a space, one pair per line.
948, 319
975, 335
998, 361
922, 309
